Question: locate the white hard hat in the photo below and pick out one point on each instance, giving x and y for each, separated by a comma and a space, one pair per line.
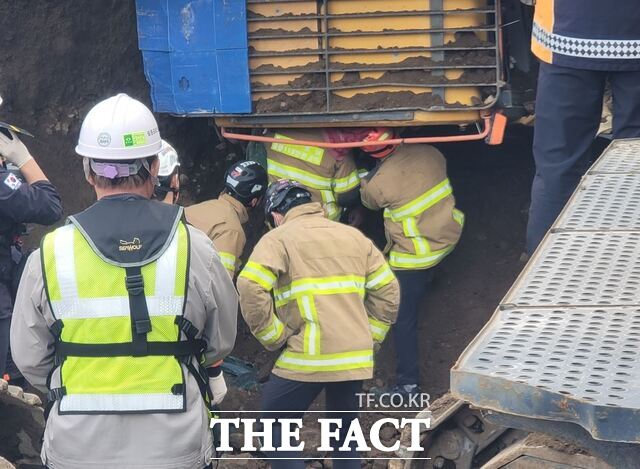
119, 128
168, 159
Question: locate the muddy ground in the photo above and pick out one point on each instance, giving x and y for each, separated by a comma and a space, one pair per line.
60, 59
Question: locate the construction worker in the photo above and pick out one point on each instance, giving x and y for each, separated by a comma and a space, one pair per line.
168, 187
221, 219
119, 308
579, 49
26, 197
330, 176
335, 297
422, 226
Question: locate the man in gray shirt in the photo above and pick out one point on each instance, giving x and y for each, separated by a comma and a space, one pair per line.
124, 312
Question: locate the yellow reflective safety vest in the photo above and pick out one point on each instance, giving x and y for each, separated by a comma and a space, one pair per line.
313, 167
323, 289
421, 222
221, 220
118, 296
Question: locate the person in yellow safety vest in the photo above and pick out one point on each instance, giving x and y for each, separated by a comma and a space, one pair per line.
335, 297
168, 187
422, 226
120, 311
330, 176
221, 219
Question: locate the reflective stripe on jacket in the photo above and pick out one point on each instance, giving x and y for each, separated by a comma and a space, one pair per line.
325, 291
422, 224
591, 34
313, 167
89, 298
221, 220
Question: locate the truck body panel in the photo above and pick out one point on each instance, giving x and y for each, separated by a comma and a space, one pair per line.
293, 63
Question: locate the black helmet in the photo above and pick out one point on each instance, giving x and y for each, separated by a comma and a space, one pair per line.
246, 180
283, 195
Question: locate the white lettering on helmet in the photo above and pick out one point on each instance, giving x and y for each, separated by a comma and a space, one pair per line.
232, 182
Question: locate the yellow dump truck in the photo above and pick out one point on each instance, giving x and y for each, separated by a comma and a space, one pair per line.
308, 63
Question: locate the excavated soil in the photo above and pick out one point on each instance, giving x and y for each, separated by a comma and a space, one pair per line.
385, 100
402, 77
280, 32
315, 101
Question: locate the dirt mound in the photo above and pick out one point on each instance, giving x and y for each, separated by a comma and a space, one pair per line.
58, 61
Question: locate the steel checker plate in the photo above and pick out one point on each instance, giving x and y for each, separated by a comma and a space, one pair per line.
582, 269
622, 156
572, 364
604, 202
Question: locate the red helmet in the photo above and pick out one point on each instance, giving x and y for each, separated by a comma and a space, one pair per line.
379, 134
343, 135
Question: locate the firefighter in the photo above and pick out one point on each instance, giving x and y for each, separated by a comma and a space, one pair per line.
422, 226
335, 297
221, 219
118, 310
26, 197
579, 48
168, 187
329, 175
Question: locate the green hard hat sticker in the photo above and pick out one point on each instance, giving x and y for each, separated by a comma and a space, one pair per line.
134, 139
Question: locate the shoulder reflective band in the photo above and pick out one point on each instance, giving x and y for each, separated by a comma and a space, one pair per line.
420, 204
326, 362
306, 153
282, 171
272, 333
259, 274
319, 286
381, 277
378, 329
346, 183
228, 260
415, 261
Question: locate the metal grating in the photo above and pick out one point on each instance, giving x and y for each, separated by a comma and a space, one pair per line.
622, 156
604, 202
582, 269
352, 56
565, 342
588, 353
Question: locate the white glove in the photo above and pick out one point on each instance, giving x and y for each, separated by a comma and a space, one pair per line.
13, 150
218, 388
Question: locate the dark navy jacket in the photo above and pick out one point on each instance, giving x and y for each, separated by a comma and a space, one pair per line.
588, 34
21, 203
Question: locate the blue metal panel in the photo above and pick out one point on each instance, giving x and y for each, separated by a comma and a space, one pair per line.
195, 55
153, 29
231, 24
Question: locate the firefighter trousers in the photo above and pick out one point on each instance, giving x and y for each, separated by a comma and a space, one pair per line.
568, 114
414, 285
285, 398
